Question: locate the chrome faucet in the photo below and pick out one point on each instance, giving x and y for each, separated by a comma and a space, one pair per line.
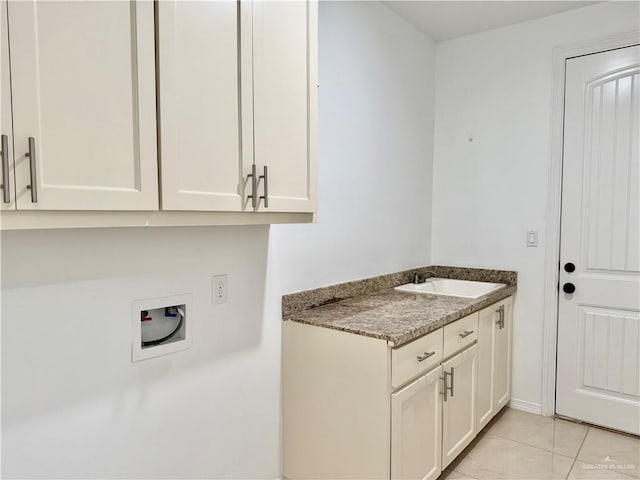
422, 277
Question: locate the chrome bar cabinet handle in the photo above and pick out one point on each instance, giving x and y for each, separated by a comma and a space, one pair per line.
445, 386
254, 186
265, 182
422, 358
6, 192
31, 154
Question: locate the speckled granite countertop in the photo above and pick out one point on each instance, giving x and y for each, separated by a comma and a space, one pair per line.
371, 307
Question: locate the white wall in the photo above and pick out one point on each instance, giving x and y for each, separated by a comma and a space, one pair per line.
375, 155
74, 406
496, 86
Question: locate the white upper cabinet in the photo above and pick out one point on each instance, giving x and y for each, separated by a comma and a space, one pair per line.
199, 91
237, 89
7, 193
83, 93
285, 103
236, 96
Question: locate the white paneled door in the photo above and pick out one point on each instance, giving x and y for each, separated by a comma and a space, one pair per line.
599, 322
84, 105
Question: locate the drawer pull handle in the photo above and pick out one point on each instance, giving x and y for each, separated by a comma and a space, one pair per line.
466, 333
422, 358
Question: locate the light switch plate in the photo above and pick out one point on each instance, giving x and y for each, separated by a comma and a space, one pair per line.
532, 238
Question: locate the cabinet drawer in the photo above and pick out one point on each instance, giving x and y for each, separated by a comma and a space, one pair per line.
459, 334
415, 357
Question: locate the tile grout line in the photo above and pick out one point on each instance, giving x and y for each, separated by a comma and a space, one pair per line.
626, 474
583, 440
575, 459
602, 429
465, 474
536, 448
533, 446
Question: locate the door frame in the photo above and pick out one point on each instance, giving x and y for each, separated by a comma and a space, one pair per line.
554, 201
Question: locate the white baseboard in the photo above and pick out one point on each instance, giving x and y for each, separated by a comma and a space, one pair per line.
526, 406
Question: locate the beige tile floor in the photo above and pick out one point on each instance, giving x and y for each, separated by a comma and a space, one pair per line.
519, 445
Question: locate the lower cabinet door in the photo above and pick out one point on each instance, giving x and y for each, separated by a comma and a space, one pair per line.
502, 358
488, 328
416, 428
459, 403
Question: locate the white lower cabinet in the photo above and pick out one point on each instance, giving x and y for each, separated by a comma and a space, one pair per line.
459, 406
502, 357
416, 428
494, 360
355, 407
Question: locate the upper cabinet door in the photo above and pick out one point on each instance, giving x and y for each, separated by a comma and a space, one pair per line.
7, 192
285, 102
83, 85
199, 105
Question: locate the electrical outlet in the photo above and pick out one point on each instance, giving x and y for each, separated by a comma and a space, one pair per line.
219, 289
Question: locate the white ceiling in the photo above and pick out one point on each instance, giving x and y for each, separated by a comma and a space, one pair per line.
443, 20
